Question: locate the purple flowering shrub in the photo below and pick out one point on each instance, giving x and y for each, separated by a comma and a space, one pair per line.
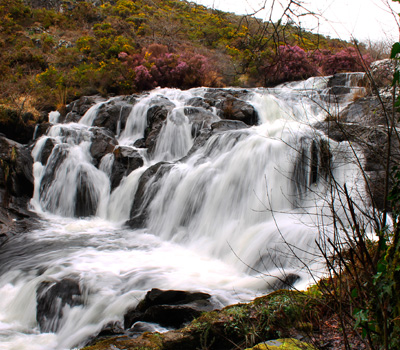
292, 63
346, 60
156, 66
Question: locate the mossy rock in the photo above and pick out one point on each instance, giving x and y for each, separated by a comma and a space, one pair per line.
283, 344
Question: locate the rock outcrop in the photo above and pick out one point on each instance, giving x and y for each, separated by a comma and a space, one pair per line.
16, 187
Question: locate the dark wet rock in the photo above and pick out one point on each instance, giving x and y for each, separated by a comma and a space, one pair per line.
16, 189
76, 109
86, 198
225, 125
51, 298
46, 150
125, 161
170, 308
141, 143
149, 183
214, 95
103, 142
235, 109
111, 113
200, 118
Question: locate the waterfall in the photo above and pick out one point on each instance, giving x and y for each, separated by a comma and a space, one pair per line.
176, 197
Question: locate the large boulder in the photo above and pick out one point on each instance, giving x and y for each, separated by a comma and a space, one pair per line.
126, 159
235, 109
113, 114
52, 298
48, 147
16, 188
169, 308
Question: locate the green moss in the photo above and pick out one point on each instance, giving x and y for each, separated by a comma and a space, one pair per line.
283, 344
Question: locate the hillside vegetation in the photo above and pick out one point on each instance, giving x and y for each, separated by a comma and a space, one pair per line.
61, 50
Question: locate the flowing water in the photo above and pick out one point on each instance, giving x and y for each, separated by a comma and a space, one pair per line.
231, 217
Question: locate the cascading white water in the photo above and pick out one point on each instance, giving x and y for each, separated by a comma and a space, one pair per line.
227, 218
178, 129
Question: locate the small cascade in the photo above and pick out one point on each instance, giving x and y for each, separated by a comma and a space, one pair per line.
119, 122
91, 114
171, 196
35, 132
54, 117
175, 138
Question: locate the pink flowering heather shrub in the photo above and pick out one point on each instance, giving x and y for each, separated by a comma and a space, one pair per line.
290, 63
156, 66
143, 78
346, 60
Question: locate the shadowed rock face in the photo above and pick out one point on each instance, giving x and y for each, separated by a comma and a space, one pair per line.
16, 188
